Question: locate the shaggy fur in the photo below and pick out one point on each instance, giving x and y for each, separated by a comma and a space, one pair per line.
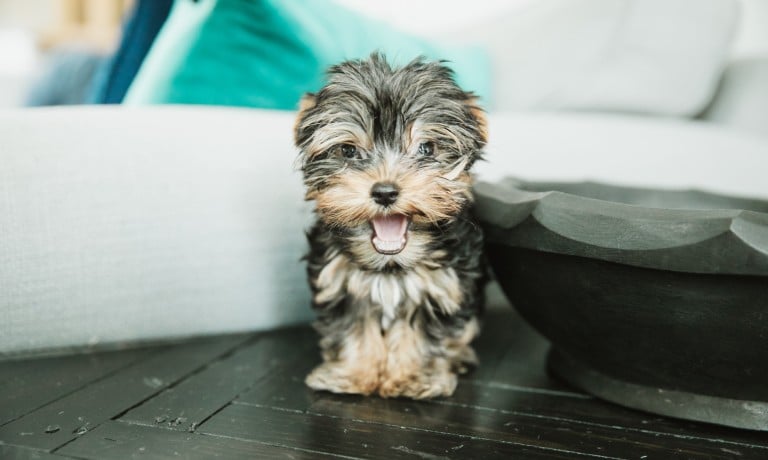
396, 314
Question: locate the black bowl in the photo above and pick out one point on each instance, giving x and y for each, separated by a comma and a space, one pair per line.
656, 300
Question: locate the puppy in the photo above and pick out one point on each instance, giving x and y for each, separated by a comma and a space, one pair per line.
395, 262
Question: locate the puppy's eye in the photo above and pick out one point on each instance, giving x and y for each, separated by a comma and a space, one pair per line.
426, 149
349, 151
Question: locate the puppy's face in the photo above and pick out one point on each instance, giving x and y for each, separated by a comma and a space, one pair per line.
386, 153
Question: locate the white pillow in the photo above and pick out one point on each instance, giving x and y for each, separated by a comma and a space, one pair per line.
644, 56
742, 99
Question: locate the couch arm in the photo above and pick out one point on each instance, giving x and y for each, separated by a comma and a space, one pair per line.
136, 224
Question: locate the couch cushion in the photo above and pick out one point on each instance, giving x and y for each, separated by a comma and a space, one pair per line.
124, 225
642, 56
268, 53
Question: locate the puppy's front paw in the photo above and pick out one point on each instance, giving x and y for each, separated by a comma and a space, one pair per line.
341, 378
418, 386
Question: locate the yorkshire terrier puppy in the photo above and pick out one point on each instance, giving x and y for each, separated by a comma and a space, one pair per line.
395, 263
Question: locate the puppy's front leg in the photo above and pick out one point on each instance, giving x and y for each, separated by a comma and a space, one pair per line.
412, 370
423, 361
354, 356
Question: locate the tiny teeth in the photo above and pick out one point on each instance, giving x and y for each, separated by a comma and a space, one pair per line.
388, 245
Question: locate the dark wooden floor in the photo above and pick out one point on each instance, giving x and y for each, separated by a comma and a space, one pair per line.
236, 397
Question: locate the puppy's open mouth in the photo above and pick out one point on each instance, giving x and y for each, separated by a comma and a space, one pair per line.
389, 233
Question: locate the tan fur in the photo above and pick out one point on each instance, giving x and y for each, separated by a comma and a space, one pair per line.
332, 279
393, 358
413, 370
389, 291
337, 133
413, 254
458, 349
386, 352
358, 367
443, 287
479, 115
388, 320
426, 194
410, 370
307, 102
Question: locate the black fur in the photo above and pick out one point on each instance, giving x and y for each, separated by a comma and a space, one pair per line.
388, 115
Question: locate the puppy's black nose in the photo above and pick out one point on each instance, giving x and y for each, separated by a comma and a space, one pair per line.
384, 193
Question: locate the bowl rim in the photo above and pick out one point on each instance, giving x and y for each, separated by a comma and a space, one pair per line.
735, 240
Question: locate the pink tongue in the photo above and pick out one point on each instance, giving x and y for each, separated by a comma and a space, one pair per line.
390, 228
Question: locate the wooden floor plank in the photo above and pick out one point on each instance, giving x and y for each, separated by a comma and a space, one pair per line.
63, 420
501, 425
24, 453
183, 406
119, 441
358, 439
512, 352
286, 390
593, 411
26, 385
535, 395
284, 387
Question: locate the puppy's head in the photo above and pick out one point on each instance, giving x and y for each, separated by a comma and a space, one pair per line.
386, 153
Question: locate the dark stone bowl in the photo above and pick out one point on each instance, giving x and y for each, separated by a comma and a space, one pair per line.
656, 300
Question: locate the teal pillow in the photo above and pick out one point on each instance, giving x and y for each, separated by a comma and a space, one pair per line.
268, 53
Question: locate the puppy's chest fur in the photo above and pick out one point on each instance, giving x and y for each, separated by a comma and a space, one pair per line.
392, 295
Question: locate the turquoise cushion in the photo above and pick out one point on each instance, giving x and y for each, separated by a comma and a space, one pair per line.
267, 53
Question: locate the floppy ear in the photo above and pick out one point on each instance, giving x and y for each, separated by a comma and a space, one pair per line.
308, 101
479, 115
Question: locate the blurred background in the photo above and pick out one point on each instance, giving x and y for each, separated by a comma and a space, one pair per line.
64, 51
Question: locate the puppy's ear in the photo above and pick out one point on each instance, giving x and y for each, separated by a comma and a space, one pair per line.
479, 115
308, 101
